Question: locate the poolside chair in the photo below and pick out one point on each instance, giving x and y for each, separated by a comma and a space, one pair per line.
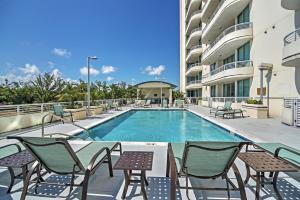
58, 111
112, 105
148, 104
56, 155
165, 103
179, 103
229, 113
226, 107
204, 160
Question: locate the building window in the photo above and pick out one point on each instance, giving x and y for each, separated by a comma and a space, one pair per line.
163, 94
230, 59
243, 88
228, 90
244, 16
155, 95
212, 66
213, 91
244, 52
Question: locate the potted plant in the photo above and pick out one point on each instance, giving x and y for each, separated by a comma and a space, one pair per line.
255, 109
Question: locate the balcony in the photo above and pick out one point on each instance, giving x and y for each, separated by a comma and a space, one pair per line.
194, 37
193, 69
227, 42
208, 9
194, 21
291, 49
290, 4
222, 17
193, 84
229, 72
193, 54
193, 6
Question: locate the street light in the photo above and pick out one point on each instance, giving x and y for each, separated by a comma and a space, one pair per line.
89, 83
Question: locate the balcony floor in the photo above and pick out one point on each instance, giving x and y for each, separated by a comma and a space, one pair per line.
104, 188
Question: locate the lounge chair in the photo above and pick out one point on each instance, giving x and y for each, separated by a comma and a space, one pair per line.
179, 103
58, 110
229, 113
204, 160
226, 107
148, 104
56, 155
112, 105
165, 103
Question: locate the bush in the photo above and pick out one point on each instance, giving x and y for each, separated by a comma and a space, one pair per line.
254, 101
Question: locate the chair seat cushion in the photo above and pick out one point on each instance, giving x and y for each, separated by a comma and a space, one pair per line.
178, 149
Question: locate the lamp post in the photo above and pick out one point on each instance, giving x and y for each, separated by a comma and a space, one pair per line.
89, 84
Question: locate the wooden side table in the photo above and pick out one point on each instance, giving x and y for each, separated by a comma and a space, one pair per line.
135, 160
262, 162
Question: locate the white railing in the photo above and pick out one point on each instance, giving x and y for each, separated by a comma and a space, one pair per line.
292, 37
193, 14
193, 82
227, 31
213, 14
232, 65
224, 99
193, 65
22, 109
193, 48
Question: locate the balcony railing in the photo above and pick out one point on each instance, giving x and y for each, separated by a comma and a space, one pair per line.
238, 64
292, 37
193, 14
193, 31
193, 48
224, 99
193, 82
226, 32
213, 14
192, 65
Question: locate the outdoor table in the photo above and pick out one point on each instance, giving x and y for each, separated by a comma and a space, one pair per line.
17, 160
135, 160
262, 162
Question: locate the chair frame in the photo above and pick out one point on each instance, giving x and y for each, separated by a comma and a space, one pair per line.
62, 115
172, 171
90, 170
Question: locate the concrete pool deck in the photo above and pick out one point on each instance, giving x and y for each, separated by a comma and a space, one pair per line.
103, 187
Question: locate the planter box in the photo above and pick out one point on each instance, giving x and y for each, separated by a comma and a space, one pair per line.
78, 114
256, 111
199, 102
96, 110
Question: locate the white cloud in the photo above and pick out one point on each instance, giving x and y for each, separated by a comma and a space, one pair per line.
56, 73
62, 52
93, 71
51, 64
71, 80
109, 78
108, 69
152, 71
30, 69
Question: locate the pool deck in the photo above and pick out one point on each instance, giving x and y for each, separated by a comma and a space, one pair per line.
103, 187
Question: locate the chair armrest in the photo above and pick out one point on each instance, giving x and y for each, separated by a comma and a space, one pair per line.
287, 149
94, 158
219, 107
9, 145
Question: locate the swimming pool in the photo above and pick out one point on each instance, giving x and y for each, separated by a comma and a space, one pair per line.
159, 126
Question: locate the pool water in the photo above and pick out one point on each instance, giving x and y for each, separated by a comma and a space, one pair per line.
159, 126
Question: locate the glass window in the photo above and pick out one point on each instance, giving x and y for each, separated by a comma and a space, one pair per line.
212, 66
244, 52
228, 90
213, 91
244, 88
155, 95
230, 59
244, 16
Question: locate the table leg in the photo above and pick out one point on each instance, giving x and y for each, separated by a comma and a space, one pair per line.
248, 174
262, 179
127, 181
275, 185
12, 179
145, 178
24, 172
257, 185
143, 181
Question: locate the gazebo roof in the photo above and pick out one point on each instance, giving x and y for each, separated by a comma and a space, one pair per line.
155, 84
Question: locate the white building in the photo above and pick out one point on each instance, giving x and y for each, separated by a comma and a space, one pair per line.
223, 43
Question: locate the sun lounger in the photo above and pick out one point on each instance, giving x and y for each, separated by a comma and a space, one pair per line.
112, 105
229, 113
58, 110
56, 155
204, 160
226, 107
148, 104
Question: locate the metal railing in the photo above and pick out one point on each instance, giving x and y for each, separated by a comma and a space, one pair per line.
193, 82
227, 31
193, 48
192, 65
190, 17
224, 99
213, 14
294, 104
292, 37
193, 31
22, 109
232, 65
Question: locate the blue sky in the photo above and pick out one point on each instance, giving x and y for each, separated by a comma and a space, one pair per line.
134, 39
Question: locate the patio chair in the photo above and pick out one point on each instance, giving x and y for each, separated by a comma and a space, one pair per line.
56, 155
112, 105
204, 160
148, 104
179, 103
58, 110
229, 113
226, 107
165, 103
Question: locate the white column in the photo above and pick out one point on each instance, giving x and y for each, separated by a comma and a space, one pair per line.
170, 96
236, 90
137, 93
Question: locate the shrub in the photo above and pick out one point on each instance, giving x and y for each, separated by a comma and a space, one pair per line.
254, 101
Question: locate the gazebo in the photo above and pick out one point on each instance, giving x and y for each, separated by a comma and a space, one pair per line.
155, 91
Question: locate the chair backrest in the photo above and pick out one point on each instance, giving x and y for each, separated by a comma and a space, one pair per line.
148, 102
55, 154
109, 103
58, 109
227, 105
209, 159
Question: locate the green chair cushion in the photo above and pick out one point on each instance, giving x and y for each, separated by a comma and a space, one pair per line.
178, 149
